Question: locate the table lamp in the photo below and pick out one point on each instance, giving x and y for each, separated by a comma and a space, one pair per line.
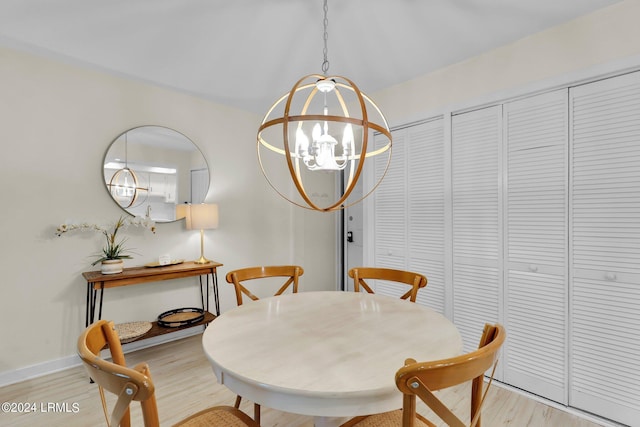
203, 216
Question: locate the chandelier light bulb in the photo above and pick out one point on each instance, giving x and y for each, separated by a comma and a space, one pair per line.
302, 144
348, 141
315, 135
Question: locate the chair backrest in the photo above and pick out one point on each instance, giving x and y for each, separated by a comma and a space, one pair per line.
415, 280
423, 378
126, 383
237, 277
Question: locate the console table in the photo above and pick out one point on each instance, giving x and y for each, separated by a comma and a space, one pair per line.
98, 282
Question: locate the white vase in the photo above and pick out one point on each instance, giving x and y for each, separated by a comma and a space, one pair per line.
112, 266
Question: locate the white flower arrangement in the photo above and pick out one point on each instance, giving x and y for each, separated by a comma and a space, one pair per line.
113, 249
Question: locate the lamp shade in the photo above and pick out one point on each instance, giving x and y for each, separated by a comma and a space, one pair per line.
204, 216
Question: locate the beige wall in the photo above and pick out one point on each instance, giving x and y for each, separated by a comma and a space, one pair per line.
57, 122
609, 35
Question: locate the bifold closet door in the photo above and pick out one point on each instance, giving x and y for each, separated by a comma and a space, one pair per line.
409, 211
476, 139
389, 210
605, 248
536, 285
425, 209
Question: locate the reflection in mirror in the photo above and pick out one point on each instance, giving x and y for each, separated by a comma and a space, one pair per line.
148, 170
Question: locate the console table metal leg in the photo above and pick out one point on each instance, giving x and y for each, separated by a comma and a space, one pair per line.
101, 295
204, 307
88, 307
214, 278
92, 311
207, 293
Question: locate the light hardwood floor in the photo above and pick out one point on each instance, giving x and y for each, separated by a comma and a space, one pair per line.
185, 384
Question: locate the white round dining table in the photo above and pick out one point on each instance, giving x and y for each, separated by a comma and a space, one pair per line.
325, 354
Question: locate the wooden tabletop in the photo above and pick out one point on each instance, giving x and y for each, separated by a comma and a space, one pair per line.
142, 274
325, 354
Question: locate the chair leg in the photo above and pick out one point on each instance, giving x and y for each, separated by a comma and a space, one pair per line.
408, 410
476, 398
256, 409
256, 413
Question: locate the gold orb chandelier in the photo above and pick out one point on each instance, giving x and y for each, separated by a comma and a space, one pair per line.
323, 124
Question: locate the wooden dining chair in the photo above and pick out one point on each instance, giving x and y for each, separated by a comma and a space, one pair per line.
239, 277
422, 379
135, 384
415, 280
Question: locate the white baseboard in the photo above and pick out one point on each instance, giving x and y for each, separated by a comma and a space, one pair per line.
38, 370
56, 365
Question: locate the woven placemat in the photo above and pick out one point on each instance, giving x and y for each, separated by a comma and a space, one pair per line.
131, 330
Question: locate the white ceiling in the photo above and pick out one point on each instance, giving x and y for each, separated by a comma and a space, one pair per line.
246, 53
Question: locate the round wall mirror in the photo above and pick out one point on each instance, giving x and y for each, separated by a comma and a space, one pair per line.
150, 170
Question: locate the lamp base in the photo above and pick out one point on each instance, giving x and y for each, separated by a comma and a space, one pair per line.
202, 259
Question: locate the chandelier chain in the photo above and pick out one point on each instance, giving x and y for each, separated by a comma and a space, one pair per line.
325, 63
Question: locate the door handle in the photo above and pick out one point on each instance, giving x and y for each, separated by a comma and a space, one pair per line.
350, 236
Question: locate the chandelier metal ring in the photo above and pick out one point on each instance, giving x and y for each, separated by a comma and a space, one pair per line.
295, 158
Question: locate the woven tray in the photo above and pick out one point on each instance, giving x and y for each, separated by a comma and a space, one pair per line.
128, 332
180, 317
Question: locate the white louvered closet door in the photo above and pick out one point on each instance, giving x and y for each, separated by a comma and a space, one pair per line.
535, 309
425, 210
605, 237
477, 236
390, 207
409, 211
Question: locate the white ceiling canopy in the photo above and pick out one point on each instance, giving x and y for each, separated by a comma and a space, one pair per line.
246, 53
